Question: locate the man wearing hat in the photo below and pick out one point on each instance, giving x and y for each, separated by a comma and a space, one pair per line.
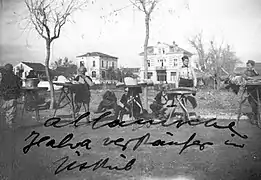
10, 86
186, 76
252, 98
83, 94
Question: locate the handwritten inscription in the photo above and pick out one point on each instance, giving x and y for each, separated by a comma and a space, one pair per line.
52, 142
145, 140
35, 140
102, 163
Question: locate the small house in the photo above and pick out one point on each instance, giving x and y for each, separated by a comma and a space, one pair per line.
23, 68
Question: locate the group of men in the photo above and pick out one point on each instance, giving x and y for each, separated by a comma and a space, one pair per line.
185, 77
10, 86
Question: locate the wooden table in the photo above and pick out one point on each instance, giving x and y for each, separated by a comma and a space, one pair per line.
67, 91
33, 93
257, 87
177, 96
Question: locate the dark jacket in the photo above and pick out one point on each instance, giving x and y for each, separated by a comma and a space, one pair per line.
251, 73
110, 96
10, 87
158, 98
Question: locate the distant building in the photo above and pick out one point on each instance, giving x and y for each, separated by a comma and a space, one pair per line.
163, 62
23, 68
97, 64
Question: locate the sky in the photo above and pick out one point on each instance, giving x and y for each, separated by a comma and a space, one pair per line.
235, 22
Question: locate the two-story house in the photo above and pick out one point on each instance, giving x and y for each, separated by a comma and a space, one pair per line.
97, 64
163, 62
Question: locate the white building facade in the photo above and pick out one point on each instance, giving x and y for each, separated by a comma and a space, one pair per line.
163, 62
22, 69
97, 65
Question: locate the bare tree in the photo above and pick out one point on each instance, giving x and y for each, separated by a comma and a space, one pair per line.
146, 6
48, 17
229, 60
214, 60
197, 43
216, 56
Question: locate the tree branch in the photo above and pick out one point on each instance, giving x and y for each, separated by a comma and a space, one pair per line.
154, 3
137, 6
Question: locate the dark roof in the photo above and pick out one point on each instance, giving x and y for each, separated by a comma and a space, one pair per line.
241, 70
97, 54
173, 50
65, 71
132, 69
35, 66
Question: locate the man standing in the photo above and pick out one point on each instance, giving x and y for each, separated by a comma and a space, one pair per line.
10, 87
252, 98
83, 94
186, 76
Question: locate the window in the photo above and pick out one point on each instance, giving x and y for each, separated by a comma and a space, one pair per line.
175, 62
161, 76
93, 63
103, 74
81, 63
162, 62
148, 62
102, 65
160, 50
163, 51
150, 74
107, 64
172, 76
94, 74
112, 65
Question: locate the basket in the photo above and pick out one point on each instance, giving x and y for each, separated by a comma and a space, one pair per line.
31, 82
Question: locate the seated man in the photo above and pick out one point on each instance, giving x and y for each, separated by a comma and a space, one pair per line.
109, 101
131, 102
252, 99
161, 99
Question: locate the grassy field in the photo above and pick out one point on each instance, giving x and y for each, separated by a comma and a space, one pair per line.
210, 102
214, 162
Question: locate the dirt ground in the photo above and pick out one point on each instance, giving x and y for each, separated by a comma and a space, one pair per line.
215, 162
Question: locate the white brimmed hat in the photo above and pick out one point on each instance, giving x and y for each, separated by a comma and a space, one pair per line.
130, 81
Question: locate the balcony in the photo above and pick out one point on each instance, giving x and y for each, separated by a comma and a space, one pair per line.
161, 67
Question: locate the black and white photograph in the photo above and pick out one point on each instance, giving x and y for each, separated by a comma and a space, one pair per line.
130, 90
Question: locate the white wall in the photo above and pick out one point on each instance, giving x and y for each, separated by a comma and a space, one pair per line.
88, 63
27, 69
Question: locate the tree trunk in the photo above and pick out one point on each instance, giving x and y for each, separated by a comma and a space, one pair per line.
47, 71
147, 25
